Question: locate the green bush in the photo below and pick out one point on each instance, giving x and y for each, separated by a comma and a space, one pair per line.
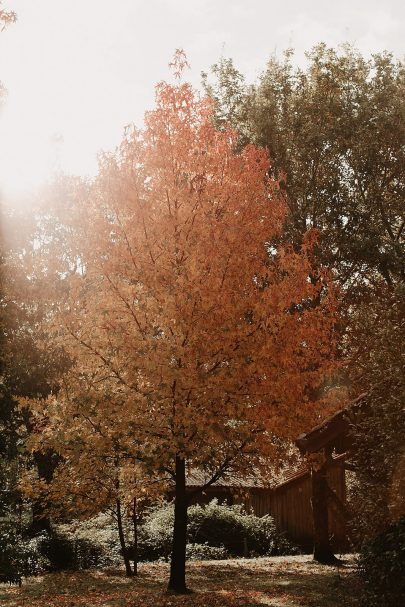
156, 533
75, 554
19, 554
228, 528
242, 534
28, 556
100, 532
382, 568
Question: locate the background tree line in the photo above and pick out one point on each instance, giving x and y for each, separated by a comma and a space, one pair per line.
335, 134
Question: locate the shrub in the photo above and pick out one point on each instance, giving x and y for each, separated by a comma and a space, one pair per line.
217, 525
99, 531
53, 551
19, 554
156, 533
214, 525
242, 534
382, 567
76, 554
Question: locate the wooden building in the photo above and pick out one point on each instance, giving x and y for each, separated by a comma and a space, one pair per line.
308, 504
288, 501
290, 505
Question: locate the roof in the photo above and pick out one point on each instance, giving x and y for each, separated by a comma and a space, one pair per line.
329, 431
325, 434
303, 471
198, 478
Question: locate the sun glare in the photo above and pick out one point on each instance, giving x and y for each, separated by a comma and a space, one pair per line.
28, 153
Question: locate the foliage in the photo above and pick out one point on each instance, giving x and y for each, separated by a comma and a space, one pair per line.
240, 533
90, 481
382, 567
30, 365
99, 530
377, 346
187, 346
64, 553
21, 554
163, 300
156, 533
228, 528
335, 133
49, 551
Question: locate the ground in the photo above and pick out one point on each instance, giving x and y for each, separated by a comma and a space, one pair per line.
294, 581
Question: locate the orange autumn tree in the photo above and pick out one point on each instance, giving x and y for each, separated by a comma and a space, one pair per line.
196, 341
6, 17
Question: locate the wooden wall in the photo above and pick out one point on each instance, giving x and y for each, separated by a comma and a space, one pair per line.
289, 504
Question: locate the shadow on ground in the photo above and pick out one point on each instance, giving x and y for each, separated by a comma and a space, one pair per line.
278, 581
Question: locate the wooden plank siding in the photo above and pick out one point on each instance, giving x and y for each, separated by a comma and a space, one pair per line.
289, 504
291, 509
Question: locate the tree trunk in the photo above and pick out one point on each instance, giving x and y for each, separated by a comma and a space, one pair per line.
46, 464
135, 522
124, 550
340, 509
177, 582
40, 519
319, 502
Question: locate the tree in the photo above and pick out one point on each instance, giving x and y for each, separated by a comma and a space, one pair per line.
94, 474
6, 16
10, 496
30, 366
195, 340
377, 337
335, 133
336, 130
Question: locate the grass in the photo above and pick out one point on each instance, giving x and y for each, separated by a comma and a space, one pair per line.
294, 581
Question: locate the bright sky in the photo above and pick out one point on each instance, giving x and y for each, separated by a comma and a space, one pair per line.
77, 71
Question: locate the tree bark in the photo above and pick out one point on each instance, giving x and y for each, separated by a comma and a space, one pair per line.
124, 550
319, 501
341, 511
135, 522
177, 581
40, 519
46, 465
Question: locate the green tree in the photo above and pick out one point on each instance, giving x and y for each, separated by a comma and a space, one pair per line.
377, 334
30, 366
335, 132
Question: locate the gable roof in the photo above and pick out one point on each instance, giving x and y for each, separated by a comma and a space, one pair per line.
328, 433
331, 430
